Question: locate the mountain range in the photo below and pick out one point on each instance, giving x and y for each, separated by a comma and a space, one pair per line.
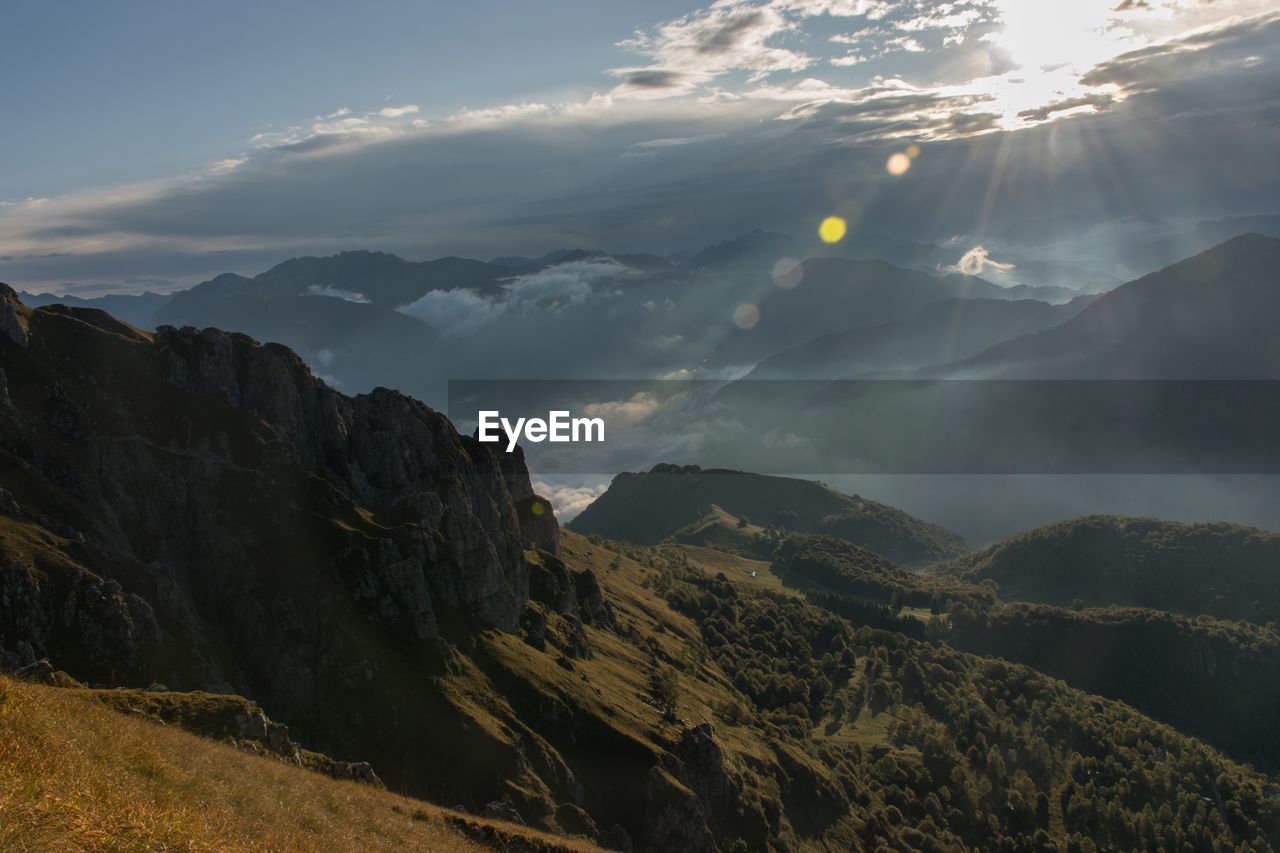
190, 510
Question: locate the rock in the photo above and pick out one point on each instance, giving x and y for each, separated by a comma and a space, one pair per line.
674, 819
13, 320
538, 526
356, 771
503, 809
592, 607
41, 671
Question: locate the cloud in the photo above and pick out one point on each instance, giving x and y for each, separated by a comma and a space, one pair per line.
455, 313
397, 112
1097, 139
977, 261
626, 413
222, 167
701, 46
336, 293
460, 312
568, 500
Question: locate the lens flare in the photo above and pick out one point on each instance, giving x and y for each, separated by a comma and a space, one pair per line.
832, 229
913, 151
788, 273
746, 316
898, 164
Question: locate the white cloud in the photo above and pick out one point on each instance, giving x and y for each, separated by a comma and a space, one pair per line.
699, 47
336, 293
977, 261
568, 500
550, 290
397, 112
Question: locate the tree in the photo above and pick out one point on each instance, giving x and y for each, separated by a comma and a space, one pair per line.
666, 690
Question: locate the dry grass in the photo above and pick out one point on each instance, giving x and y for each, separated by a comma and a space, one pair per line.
75, 775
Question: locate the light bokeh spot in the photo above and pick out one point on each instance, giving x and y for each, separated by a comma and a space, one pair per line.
788, 273
898, 164
832, 229
746, 315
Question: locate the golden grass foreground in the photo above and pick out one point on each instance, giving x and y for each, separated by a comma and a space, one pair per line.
75, 775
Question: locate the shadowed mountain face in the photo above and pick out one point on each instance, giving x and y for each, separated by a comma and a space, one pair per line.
1213, 316
196, 509
648, 508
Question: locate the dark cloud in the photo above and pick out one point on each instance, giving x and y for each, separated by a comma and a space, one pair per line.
653, 78
727, 36
1097, 101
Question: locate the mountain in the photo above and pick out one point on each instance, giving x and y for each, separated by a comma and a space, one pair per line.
834, 295
1161, 252
939, 333
1047, 275
135, 309
752, 249
380, 279
1213, 316
354, 345
194, 508
650, 507
1222, 570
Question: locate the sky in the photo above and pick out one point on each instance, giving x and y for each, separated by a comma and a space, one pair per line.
155, 144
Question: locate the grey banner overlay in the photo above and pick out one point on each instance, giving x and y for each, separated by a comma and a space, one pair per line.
897, 426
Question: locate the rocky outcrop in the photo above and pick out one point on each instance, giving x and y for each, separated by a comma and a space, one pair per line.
13, 322
193, 508
385, 450
538, 526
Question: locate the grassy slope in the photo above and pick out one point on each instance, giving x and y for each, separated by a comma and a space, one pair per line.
76, 775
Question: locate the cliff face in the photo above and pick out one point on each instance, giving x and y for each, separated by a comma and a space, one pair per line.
194, 508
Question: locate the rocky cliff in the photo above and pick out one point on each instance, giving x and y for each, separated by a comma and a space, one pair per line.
194, 508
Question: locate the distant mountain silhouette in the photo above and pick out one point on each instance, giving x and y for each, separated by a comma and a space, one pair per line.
1213, 316
136, 309
1159, 253
647, 508
939, 333
836, 294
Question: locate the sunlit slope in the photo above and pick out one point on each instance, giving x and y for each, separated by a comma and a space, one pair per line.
75, 775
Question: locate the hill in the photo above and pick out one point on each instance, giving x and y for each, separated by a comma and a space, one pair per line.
1212, 316
1213, 678
78, 775
648, 508
939, 333
1222, 570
